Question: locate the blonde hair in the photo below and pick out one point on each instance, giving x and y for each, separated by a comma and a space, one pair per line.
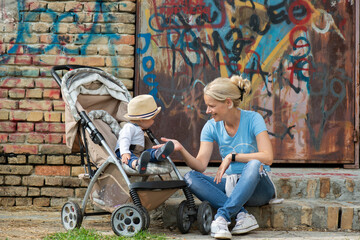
234, 88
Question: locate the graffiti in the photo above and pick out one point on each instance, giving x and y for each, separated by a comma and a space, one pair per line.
335, 2
67, 46
275, 44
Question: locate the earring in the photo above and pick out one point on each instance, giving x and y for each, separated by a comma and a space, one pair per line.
231, 106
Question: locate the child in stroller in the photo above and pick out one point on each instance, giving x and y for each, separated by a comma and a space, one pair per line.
95, 106
142, 110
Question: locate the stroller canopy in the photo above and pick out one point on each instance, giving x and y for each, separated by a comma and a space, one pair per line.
91, 81
92, 89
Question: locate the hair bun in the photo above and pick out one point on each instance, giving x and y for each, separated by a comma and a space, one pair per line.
243, 84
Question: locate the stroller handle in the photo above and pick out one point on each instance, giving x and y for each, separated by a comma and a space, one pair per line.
67, 68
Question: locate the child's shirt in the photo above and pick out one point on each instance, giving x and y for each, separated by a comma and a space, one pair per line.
130, 134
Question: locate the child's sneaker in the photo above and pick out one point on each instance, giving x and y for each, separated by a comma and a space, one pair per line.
143, 162
162, 153
219, 228
244, 223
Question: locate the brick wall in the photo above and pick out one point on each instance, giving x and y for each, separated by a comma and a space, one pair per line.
36, 168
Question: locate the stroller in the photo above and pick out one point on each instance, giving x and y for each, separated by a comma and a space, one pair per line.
95, 103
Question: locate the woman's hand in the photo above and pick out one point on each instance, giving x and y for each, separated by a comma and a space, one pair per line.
222, 168
177, 144
125, 158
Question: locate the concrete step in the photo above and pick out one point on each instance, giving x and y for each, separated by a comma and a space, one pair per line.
296, 214
311, 183
322, 199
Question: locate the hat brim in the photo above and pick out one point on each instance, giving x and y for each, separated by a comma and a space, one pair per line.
143, 117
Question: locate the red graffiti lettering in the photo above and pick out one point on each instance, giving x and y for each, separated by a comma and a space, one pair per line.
291, 12
292, 33
296, 68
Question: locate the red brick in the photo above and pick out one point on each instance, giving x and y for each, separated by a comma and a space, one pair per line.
17, 138
17, 149
3, 138
35, 105
7, 126
333, 218
45, 38
8, 104
3, 93
46, 83
7, 202
54, 149
347, 215
12, 82
35, 138
76, 61
17, 93
19, 51
52, 116
125, 39
41, 202
53, 138
59, 105
42, 127
50, 127
4, 115
34, 93
90, 7
324, 187
32, 5
23, 201
35, 116
18, 116
22, 60
73, 7
52, 170
52, 93
25, 127
94, 61
57, 127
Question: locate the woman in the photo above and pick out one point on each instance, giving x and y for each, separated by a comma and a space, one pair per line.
246, 153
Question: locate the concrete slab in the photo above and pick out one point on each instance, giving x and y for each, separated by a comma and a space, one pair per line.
29, 223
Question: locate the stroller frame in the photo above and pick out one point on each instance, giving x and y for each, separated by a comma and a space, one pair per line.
129, 218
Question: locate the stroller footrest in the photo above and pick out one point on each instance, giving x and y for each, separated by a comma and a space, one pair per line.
159, 185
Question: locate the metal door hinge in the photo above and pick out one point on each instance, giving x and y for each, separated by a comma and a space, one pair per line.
356, 135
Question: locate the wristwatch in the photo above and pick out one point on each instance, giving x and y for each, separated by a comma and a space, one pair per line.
233, 155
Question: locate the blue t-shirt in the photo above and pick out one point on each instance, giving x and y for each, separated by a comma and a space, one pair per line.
244, 141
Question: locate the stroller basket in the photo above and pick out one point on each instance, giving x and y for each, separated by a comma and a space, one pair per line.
95, 106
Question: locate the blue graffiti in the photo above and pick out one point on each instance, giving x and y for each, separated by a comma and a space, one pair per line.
83, 39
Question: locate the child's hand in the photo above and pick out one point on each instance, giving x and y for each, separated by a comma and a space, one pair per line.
125, 158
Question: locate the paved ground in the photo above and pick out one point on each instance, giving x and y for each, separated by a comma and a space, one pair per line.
36, 223
24, 223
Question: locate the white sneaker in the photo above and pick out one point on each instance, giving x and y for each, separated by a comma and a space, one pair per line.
219, 228
244, 223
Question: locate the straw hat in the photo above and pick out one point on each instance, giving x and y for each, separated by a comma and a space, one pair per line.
142, 107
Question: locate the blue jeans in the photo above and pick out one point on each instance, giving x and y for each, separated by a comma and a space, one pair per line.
133, 157
254, 188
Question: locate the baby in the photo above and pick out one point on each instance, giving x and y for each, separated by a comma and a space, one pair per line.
142, 110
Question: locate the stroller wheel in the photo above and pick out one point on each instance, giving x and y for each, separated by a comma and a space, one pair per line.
204, 217
146, 218
71, 216
183, 218
127, 220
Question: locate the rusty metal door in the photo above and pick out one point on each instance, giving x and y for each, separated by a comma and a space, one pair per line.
301, 57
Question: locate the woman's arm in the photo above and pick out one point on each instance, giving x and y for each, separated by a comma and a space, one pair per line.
264, 154
202, 159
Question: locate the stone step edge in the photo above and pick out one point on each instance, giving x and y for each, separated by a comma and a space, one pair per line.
290, 214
